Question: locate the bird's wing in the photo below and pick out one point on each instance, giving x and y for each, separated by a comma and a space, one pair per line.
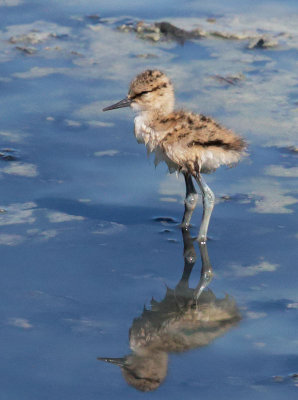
191, 139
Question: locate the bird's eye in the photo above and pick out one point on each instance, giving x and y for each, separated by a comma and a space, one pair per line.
141, 94
145, 92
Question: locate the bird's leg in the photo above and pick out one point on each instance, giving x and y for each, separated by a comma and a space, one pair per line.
190, 201
208, 204
206, 271
190, 257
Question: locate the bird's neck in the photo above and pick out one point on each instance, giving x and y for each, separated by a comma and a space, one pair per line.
151, 116
160, 109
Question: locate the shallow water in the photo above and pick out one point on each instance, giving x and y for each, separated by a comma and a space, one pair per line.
90, 230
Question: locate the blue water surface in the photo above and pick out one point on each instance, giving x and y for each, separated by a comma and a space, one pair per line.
89, 229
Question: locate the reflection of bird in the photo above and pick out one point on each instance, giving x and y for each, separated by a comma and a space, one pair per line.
185, 319
188, 143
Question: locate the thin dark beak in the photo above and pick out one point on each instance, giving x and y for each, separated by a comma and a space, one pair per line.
122, 103
120, 362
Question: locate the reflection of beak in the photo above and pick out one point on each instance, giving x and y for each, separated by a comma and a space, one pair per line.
120, 362
122, 103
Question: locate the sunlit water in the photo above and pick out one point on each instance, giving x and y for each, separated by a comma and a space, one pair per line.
90, 230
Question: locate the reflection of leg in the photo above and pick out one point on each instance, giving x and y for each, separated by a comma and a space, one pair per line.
190, 257
191, 200
206, 271
208, 204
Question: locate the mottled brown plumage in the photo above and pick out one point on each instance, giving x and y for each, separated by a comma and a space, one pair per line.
188, 143
198, 130
189, 136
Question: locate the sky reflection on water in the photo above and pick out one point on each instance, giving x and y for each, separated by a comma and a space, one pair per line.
89, 230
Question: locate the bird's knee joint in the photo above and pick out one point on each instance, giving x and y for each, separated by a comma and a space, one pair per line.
191, 200
190, 259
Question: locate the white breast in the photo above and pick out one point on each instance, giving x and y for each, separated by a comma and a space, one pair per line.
145, 134
151, 138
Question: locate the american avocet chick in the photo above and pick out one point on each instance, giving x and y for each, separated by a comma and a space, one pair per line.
189, 143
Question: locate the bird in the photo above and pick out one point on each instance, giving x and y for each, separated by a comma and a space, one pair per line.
185, 319
189, 143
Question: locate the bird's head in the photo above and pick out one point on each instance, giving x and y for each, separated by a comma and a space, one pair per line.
145, 371
149, 91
